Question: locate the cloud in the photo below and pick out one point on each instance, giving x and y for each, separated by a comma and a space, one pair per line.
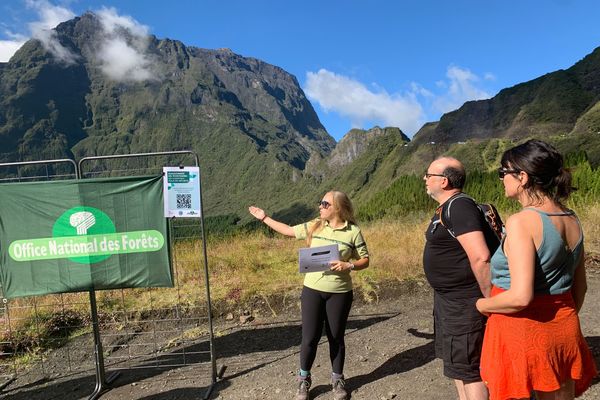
354, 100
365, 106
122, 62
112, 23
461, 87
9, 47
122, 53
50, 16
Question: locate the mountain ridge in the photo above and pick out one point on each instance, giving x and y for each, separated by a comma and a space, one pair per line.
550, 103
237, 113
258, 137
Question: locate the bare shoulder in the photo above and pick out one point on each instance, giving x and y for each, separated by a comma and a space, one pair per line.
523, 219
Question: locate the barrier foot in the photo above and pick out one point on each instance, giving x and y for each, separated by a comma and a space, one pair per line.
103, 387
211, 387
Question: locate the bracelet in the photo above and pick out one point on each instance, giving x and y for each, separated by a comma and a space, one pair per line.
352, 266
263, 218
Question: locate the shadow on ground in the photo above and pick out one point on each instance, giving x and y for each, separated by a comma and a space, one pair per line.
402, 362
594, 343
238, 343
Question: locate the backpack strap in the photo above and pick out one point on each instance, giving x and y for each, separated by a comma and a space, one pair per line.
445, 220
492, 217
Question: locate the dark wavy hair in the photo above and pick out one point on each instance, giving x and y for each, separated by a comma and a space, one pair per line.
545, 167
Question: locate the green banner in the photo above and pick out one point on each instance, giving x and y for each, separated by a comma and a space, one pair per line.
78, 235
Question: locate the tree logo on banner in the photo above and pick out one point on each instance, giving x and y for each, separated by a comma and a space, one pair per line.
85, 235
83, 221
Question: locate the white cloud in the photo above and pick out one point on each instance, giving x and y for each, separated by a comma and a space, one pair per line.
420, 90
408, 111
122, 54
112, 22
461, 87
122, 62
354, 100
9, 47
50, 16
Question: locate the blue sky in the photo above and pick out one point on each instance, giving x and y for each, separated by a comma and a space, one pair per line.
361, 63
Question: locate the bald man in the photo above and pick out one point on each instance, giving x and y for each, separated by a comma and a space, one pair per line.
457, 267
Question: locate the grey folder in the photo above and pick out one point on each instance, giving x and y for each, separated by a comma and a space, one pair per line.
315, 259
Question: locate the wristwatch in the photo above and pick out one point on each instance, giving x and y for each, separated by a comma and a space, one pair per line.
352, 266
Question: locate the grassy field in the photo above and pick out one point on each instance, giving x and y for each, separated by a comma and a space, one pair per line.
259, 264
243, 266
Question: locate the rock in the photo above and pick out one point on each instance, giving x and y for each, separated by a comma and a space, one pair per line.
246, 318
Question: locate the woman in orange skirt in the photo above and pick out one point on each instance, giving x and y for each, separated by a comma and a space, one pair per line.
533, 340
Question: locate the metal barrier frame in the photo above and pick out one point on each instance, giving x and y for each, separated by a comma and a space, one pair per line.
102, 382
92, 294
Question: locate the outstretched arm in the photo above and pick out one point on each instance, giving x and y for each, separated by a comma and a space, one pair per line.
277, 226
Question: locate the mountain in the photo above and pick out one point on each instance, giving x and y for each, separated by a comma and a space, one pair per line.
249, 121
564, 102
360, 163
104, 89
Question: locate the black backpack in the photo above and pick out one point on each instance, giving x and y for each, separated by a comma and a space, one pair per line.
490, 213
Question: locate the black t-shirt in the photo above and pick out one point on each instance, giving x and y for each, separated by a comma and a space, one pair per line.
446, 264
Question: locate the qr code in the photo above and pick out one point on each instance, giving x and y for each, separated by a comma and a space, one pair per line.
184, 200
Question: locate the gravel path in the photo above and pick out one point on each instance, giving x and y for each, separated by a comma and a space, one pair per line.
390, 355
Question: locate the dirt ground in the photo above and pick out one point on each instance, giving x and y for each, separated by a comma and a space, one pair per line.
390, 355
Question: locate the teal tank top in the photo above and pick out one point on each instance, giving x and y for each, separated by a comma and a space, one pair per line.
555, 263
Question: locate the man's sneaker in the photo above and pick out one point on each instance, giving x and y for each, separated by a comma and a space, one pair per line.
303, 387
338, 387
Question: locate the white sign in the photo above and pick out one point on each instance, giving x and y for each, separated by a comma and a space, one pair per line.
181, 192
315, 259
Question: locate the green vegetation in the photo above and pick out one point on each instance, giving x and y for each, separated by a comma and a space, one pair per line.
43, 331
260, 142
249, 262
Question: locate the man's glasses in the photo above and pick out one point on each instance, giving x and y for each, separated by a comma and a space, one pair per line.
428, 175
502, 172
324, 204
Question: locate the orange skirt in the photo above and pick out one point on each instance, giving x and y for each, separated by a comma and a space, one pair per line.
537, 348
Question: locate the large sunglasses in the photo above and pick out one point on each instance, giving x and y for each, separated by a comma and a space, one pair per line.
324, 204
502, 172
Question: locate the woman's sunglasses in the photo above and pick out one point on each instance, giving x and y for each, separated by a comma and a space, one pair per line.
324, 204
502, 172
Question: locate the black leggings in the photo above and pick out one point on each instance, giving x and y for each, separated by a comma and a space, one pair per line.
333, 310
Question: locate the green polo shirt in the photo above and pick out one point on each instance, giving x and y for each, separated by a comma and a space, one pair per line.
351, 246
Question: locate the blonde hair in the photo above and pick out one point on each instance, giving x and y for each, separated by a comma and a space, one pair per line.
342, 206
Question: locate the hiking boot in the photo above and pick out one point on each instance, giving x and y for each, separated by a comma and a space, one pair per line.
303, 387
338, 387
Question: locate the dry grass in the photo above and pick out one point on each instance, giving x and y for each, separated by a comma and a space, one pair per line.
589, 218
247, 267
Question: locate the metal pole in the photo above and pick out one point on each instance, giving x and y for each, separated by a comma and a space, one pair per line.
214, 373
102, 384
